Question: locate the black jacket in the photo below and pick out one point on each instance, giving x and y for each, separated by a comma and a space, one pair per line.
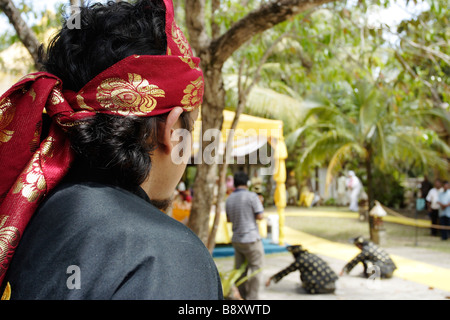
376, 261
117, 244
315, 273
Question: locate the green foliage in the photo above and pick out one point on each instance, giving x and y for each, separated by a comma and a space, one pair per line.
39, 21
389, 191
362, 123
357, 93
362, 86
230, 278
425, 47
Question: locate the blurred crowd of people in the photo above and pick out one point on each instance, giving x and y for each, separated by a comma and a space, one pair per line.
437, 197
349, 191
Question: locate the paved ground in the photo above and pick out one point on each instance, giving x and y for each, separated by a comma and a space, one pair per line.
422, 275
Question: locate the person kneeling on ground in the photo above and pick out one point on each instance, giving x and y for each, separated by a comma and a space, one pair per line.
376, 261
315, 274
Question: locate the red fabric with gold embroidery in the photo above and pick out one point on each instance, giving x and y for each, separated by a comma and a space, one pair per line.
138, 85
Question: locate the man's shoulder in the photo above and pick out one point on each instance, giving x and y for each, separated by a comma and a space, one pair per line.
113, 208
241, 196
83, 193
243, 193
110, 234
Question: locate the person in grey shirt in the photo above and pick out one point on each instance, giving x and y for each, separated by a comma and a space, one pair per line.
243, 208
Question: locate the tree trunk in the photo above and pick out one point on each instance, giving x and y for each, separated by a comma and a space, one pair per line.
25, 34
212, 117
369, 177
218, 212
243, 94
225, 160
370, 200
316, 178
214, 53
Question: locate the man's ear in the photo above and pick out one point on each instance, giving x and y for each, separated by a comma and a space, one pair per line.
166, 129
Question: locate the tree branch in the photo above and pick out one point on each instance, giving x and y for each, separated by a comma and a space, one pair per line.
195, 22
414, 75
215, 28
267, 16
437, 53
25, 34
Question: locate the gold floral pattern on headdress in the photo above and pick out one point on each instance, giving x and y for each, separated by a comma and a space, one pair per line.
34, 143
32, 184
193, 94
7, 293
32, 94
135, 97
30, 76
180, 40
7, 111
190, 63
57, 97
9, 237
81, 103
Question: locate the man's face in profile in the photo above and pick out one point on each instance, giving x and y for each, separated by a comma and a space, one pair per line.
171, 170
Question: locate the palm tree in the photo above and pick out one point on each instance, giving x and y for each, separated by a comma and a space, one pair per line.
362, 122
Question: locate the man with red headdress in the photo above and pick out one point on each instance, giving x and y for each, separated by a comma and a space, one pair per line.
87, 163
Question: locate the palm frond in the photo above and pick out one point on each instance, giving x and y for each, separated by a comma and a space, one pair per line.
410, 145
268, 103
337, 159
323, 146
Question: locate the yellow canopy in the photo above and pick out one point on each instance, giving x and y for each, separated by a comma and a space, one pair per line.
248, 128
250, 135
247, 122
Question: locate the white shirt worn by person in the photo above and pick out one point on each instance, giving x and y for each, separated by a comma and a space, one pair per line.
433, 197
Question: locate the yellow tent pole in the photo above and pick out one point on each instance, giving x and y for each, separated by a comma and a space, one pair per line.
280, 190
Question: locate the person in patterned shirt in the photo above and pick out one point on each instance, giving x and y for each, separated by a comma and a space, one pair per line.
315, 274
376, 261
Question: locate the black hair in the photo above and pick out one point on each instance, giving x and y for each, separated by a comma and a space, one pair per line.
106, 34
296, 250
359, 240
240, 179
113, 147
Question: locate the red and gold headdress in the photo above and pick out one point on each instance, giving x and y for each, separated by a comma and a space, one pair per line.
137, 85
